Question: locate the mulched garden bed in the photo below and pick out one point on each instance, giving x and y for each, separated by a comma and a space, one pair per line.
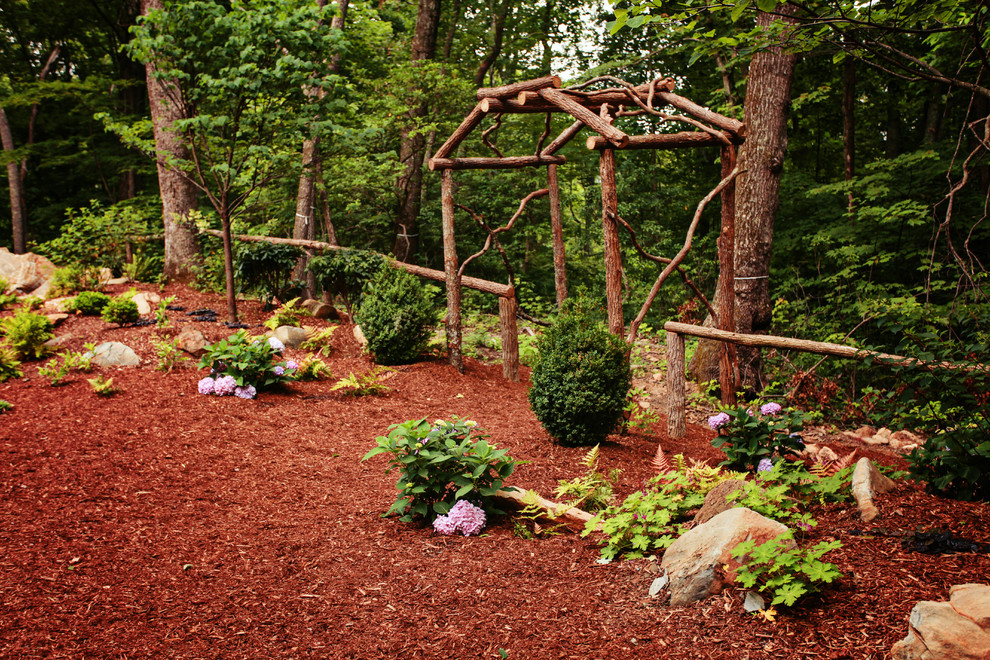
163, 523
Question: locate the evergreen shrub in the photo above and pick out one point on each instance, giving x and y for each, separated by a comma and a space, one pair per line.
397, 316
26, 333
120, 310
581, 377
89, 303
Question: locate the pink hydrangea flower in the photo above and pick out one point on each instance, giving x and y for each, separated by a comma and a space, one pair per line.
276, 345
463, 517
279, 370
224, 386
718, 421
770, 409
247, 392
291, 364
206, 386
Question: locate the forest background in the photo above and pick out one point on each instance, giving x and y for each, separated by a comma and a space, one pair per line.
325, 112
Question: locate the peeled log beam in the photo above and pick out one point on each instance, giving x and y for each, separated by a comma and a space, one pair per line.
593, 121
715, 119
501, 290
507, 163
470, 122
818, 347
565, 136
508, 91
664, 141
555, 511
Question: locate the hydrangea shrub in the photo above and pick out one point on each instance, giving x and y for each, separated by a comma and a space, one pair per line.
240, 365
749, 439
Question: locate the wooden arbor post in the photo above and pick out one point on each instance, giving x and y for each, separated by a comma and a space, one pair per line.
613, 252
726, 287
453, 279
557, 230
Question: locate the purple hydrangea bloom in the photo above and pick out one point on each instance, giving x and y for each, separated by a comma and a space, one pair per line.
276, 344
463, 517
279, 370
246, 392
291, 364
770, 409
206, 386
765, 465
718, 421
224, 386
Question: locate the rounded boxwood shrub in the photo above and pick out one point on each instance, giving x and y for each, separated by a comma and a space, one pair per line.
120, 310
396, 315
89, 303
581, 378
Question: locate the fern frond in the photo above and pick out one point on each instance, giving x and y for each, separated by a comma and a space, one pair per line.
844, 462
819, 468
680, 464
591, 458
660, 461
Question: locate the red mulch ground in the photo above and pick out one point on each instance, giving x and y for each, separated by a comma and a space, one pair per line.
163, 523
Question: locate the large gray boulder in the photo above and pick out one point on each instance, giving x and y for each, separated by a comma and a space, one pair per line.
956, 630
700, 562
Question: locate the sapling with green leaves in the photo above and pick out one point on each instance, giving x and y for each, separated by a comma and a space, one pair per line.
781, 568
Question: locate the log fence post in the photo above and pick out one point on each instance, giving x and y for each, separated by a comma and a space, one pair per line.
676, 422
507, 307
453, 280
557, 229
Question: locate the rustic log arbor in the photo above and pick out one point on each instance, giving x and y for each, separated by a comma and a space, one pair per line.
597, 110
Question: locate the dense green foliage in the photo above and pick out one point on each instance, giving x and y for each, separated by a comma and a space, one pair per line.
120, 310
397, 316
441, 463
783, 569
249, 360
748, 438
26, 333
88, 303
267, 269
343, 273
96, 237
581, 378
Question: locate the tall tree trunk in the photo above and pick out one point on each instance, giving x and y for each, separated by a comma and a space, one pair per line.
892, 143
305, 222
768, 97
849, 124
14, 182
499, 13
409, 184
177, 192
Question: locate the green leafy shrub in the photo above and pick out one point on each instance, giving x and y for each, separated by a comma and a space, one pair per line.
788, 572
343, 273
648, 520
96, 236
10, 366
288, 313
31, 303
26, 333
396, 315
441, 463
267, 268
59, 366
88, 303
169, 355
747, 438
72, 279
161, 312
251, 361
581, 378
120, 310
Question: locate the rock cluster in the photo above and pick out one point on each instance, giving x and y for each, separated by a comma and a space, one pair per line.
958, 629
902, 441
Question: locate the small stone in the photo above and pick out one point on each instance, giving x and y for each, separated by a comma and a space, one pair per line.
192, 341
143, 304
114, 354
827, 454
876, 440
57, 319
866, 482
359, 336
865, 432
57, 305
113, 281
291, 336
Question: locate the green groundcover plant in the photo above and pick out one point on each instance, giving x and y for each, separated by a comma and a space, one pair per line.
442, 463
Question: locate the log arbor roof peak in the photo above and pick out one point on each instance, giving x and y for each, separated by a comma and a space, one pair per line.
596, 109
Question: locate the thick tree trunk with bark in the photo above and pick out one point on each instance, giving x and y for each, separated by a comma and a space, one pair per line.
177, 192
768, 97
409, 185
